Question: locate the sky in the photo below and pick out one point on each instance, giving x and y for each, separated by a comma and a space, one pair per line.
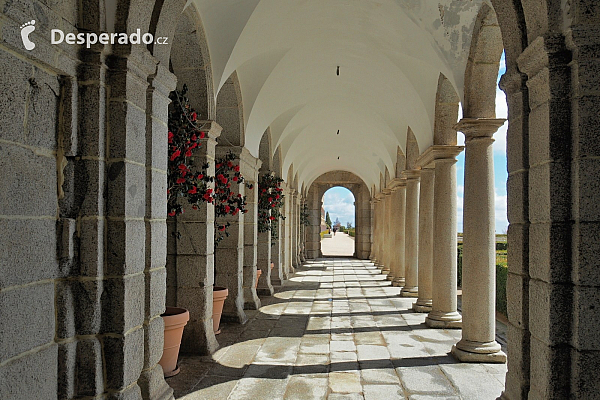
339, 201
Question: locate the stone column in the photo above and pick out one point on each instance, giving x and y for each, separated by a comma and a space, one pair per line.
376, 242
372, 229
396, 221
229, 257
443, 313
191, 270
379, 208
425, 259
386, 229
276, 254
287, 245
478, 342
411, 233
265, 287
250, 166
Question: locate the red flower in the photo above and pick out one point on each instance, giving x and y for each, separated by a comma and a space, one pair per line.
175, 155
271, 218
237, 210
264, 190
229, 164
181, 180
172, 213
270, 199
202, 134
188, 153
227, 209
237, 168
200, 176
235, 178
193, 190
194, 116
209, 190
171, 137
194, 146
277, 197
218, 166
222, 228
194, 137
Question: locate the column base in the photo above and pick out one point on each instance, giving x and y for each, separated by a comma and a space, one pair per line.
390, 277
398, 282
385, 270
252, 302
476, 352
422, 306
268, 291
409, 291
444, 320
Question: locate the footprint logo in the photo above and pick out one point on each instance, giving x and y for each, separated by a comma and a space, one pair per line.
26, 30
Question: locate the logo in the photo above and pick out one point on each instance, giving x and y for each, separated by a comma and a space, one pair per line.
26, 30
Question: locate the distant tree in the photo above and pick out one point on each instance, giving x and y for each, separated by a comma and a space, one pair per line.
328, 219
349, 225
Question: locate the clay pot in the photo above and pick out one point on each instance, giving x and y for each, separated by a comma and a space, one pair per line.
258, 274
219, 296
272, 265
175, 319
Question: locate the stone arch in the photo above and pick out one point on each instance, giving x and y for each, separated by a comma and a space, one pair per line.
400, 163
264, 152
446, 113
482, 66
362, 209
412, 150
230, 113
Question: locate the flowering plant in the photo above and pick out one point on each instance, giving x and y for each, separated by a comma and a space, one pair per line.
192, 182
270, 201
304, 215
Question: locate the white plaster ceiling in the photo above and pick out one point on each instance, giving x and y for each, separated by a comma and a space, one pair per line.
390, 54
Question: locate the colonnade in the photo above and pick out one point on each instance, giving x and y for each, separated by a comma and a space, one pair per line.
415, 238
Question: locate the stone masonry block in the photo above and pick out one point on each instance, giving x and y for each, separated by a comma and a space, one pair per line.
156, 194
87, 296
517, 187
91, 247
587, 244
28, 182
549, 366
587, 171
548, 204
126, 187
67, 365
27, 319
65, 310
585, 367
156, 292
549, 252
14, 85
545, 143
518, 248
123, 303
588, 122
126, 241
33, 376
194, 238
158, 152
43, 110
90, 375
128, 132
131, 393
125, 355
88, 195
92, 120
154, 341
517, 291
194, 271
549, 308
28, 251
156, 244
586, 305
127, 85
515, 157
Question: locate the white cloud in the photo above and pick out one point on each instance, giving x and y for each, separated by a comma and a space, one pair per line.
500, 210
501, 112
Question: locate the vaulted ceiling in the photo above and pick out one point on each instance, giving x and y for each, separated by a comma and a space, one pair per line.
390, 54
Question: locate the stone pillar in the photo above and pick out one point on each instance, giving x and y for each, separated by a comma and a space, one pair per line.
249, 167
443, 313
425, 258
229, 256
192, 267
386, 229
411, 233
372, 229
313, 230
286, 231
397, 221
265, 287
478, 342
376, 237
379, 208
296, 230
276, 253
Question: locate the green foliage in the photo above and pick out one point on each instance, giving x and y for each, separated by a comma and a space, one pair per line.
270, 201
304, 215
501, 277
351, 232
501, 246
328, 219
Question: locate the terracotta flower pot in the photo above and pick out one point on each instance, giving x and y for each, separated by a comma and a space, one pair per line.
175, 319
258, 274
219, 296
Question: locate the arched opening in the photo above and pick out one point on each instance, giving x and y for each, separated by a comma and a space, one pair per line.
338, 223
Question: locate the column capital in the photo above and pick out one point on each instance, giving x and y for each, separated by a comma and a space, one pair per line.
397, 183
479, 127
386, 191
411, 174
435, 153
212, 128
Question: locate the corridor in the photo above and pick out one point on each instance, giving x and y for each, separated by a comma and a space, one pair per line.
336, 330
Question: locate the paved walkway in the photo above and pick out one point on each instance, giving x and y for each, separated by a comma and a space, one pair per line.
336, 330
339, 245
